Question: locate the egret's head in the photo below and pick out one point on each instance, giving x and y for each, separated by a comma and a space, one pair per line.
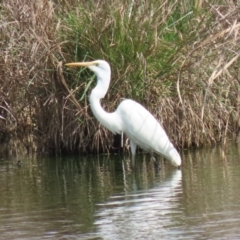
100, 67
103, 72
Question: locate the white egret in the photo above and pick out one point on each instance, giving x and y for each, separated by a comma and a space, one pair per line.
130, 117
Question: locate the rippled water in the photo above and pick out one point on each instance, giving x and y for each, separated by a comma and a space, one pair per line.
100, 198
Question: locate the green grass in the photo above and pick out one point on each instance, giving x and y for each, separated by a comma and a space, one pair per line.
133, 42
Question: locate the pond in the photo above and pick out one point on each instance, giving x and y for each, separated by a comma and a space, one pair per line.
101, 198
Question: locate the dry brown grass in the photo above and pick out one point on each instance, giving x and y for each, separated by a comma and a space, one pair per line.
212, 78
32, 94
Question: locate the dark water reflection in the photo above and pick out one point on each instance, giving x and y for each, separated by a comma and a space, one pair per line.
99, 198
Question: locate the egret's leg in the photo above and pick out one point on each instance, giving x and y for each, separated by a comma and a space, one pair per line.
155, 162
122, 139
133, 151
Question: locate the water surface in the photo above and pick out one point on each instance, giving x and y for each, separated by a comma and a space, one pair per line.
101, 198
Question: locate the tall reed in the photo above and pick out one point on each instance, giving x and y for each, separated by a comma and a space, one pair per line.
178, 59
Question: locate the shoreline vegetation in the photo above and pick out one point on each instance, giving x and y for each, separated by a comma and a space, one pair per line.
179, 59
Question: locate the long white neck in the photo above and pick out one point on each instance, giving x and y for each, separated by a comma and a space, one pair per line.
110, 120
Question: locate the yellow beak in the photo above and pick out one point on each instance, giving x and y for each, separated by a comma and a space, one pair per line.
81, 64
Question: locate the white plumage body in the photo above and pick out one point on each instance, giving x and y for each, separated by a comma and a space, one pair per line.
130, 117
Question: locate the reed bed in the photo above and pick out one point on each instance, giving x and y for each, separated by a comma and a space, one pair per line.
178, 59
